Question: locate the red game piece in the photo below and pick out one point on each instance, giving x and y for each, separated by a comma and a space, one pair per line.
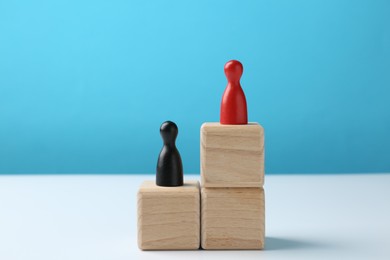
233, 106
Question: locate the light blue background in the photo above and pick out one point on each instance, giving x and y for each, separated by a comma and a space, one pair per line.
85, 85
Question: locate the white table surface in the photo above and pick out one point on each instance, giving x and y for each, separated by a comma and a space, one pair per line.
94, 217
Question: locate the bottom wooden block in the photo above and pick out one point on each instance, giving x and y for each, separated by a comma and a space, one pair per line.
232, 218
169, 217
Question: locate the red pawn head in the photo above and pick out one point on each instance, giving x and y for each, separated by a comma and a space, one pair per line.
233, 106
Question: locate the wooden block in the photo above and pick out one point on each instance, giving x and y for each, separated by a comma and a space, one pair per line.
232, 155
232, 218
169, 217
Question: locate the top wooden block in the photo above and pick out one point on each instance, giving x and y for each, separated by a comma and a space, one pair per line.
232, 155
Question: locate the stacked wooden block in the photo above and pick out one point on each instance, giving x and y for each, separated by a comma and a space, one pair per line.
232, 177
225, 212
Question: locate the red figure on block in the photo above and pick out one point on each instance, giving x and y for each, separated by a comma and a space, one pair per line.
233, 106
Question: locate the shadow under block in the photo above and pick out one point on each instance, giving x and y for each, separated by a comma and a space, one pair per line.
232, 218
232, 155
169, 217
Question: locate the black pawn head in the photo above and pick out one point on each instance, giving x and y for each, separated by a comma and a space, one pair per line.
169, 165
169, 131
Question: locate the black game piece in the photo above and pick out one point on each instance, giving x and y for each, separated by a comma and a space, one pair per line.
169, 166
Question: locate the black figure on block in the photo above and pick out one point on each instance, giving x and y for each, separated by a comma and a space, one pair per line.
169, 165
